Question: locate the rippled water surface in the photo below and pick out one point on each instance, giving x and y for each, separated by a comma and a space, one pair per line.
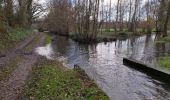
104, 63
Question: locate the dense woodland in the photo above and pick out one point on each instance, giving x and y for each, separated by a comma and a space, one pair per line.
88, 18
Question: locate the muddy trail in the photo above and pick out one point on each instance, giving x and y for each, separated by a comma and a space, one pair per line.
12, 86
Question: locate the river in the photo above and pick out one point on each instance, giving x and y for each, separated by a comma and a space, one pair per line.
103, 62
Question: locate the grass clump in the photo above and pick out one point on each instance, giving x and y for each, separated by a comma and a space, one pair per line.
165, 62
48, 39
52, 81
19, 34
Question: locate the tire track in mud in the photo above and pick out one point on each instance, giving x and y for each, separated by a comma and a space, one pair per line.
11, 87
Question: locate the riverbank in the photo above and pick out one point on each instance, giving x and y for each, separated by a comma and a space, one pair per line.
51, 80
164, 62
104, 36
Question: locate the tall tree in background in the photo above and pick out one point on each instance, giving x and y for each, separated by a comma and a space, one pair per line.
9, 12
87, 17
148, 8
59, 16
133, 25
161, 18
25, 12
117, 15
2, 20
130, 14
167, 20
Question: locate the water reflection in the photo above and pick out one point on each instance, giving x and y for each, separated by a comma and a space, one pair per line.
103, 62
46, 51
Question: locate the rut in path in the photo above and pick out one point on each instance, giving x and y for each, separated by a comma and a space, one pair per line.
11, 87
11, 54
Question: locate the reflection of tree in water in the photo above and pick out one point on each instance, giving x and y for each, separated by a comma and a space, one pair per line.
60, 44
148, 50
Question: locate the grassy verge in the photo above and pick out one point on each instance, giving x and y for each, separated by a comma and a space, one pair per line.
52, 81
165, 62
8, 68
48, 39
12, 38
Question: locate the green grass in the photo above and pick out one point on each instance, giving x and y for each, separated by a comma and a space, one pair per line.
48, 39
164, 40
19, 34
165, 62
52, 81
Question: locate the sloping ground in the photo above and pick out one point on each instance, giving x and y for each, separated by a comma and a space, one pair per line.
11, 87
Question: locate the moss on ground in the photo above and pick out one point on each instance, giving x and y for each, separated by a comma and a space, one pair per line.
165, 62
52, 81
9, 67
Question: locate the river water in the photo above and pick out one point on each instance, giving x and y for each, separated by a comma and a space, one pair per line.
104, 63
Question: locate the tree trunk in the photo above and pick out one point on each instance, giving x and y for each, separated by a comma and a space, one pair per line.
9, 12
166, 21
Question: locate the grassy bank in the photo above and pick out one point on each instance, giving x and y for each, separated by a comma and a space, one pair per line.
165, 62
104, 37
52, 81
48, 39
12, 37
164, 40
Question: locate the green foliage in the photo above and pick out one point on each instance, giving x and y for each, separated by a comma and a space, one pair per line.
165, 62
52, 81
164, 40
48, 39
19, 34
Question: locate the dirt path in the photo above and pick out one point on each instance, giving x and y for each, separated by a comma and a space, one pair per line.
13, 52
11, 87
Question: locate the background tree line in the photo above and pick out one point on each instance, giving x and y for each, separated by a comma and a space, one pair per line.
88, 18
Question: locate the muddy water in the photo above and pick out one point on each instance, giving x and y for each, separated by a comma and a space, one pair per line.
103, 62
